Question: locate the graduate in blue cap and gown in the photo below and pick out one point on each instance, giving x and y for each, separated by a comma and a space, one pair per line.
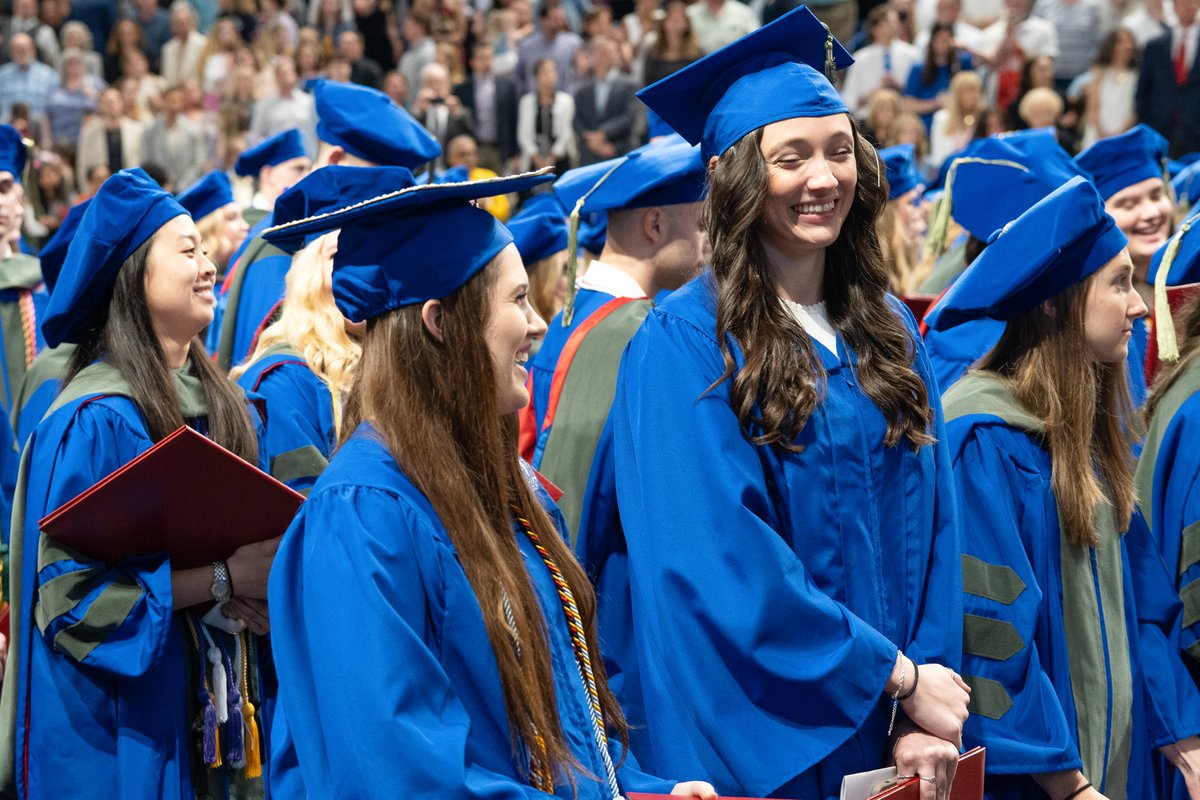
218, 217
1070, 630
22, 295
434, 636
540, 233
356, 127
1129, 171
902, 226
784, 489
1168, 471
108, 670
304, 362
276, 164
987, 191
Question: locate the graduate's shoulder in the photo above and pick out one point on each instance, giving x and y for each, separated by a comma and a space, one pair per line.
982, 415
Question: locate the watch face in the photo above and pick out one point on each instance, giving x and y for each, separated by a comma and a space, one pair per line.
220, 584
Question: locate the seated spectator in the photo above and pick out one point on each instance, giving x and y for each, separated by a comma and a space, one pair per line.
288, 108
76, 36
1038, 72
1110, 94
68, 103
420, 51
928, 81
363, 70
141, 90
439, 109
1041, 107
605, 109
396, 88
233, 117
24, 79
492, 102
462, 157
545, 123
885, 107
954, 125
181, 54
504, 36
338, 69
310, 65
25, 19
154, 23
883, 64
1012, 40
330, 18
719, 22
217, 60
909, 129
175, 143
673, 44
54, 192
127, 37
450, 56
112, 140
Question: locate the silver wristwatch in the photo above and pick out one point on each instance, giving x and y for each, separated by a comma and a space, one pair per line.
222, 588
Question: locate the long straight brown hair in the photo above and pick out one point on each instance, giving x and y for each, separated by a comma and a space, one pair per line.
783, 381
433, 404
125, 339
1085, 406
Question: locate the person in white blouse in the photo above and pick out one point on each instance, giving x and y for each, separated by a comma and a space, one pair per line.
181, 54
545, 122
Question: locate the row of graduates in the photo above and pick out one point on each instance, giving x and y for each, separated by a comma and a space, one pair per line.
789, 541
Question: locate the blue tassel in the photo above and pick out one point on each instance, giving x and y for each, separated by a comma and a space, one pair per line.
212, 753
235, 754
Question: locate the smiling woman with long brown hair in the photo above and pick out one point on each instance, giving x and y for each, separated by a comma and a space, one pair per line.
788, 511
426, 582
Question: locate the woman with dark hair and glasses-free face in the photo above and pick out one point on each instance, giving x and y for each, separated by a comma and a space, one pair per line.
1071, 628
788, 508
110, 670
433, 634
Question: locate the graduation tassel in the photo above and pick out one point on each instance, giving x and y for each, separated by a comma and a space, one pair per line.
1164, 325
939, 224
219, 680
234, 735
251, 746
212, 745
830, 65
568, 312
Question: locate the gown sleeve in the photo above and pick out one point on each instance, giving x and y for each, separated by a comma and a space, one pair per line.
299, 434
748, 667
353, 592
1172, 699
1015, 710
113, 617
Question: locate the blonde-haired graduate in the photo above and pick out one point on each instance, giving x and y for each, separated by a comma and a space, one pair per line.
304, 360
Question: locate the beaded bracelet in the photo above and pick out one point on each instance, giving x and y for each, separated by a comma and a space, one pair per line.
1079, 791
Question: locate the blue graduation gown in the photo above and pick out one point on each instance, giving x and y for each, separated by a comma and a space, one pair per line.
770, 592
256, 285
101, 700
1168, 482
389, 687
299, 410
1056, 635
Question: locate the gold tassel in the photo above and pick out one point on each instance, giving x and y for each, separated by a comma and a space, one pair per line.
935, 238
1164, 325
568, 312
830, 65
253, 748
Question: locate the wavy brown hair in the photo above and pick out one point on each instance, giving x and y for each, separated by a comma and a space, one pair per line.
782, 380
1189, 346
124, 338
1083, 404
463, 458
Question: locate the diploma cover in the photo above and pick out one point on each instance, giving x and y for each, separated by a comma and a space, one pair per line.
186, 496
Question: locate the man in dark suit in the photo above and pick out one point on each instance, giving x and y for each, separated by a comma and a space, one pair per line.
1168, 91
605, 109
491, 100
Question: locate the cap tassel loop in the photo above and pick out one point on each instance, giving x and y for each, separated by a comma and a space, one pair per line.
935, 239
568, 312
1164, 325
830, 64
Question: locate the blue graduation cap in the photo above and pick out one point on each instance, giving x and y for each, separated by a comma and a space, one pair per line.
12, 152
1034, 143
126, 211
663, 173
780, 71
330, 189
370, 126
1057, 243
1119, 162
211, 192
277, 149
1186, 184
900, 161
411, 245
539, 231
54, 251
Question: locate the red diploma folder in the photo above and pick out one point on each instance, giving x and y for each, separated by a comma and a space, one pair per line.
1177, 298
968, 783
919, 304
186, 495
